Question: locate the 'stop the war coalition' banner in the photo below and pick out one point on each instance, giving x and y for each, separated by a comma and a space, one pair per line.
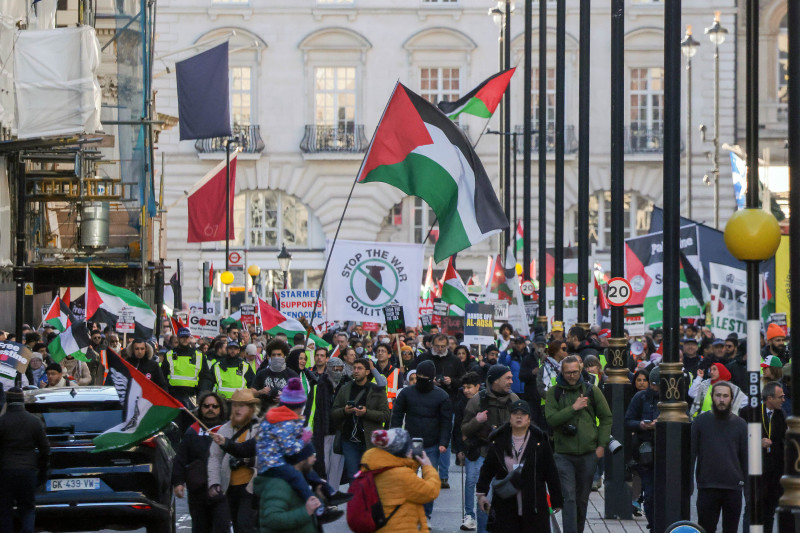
365, 277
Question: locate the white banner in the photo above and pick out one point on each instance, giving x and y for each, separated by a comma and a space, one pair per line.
365, 277
204, 325
728, 300
295, 303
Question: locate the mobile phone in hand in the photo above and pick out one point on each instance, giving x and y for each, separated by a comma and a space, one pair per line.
416, 447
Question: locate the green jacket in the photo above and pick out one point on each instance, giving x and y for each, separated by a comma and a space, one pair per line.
280, 509
593, 422
377, 405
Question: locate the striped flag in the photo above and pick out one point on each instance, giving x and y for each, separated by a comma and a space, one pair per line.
147, 408
59, 316
482, 100
420, 151
520, 237
274, 322
74, 341
104, 303
453, 291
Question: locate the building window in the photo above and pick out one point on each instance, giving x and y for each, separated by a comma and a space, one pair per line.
335, 97
550, 99
783, 63
423, 216
440, 84
638, 211
646, 110
275, 218
241, 95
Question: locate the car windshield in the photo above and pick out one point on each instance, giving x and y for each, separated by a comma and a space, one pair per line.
77, 417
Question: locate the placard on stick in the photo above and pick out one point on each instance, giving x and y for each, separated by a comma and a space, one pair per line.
452, 325
395, 321
479, 324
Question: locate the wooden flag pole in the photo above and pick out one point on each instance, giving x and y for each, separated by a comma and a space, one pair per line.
197, 419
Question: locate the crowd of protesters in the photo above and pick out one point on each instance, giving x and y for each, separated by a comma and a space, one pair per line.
281, 424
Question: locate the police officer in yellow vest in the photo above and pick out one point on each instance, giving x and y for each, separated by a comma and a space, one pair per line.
186, 370
232, 372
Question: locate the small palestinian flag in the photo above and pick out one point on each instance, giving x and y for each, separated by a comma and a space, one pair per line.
421, 152
482, 100
520, 236
147, 408
74, 341
105, 302
59, 316
274, 322
453, 291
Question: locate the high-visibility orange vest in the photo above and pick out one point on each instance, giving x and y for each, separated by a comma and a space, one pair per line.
392, 386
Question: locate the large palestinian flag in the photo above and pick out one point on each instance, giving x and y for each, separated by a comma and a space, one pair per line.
147, 408
74, 341
58, 315
275, 322
105, 302
423, 153
454, 292
482, 100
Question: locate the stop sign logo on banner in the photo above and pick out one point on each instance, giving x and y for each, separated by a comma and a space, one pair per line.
619, 291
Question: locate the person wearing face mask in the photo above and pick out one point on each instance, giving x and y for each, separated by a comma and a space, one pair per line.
318, 414
273, 374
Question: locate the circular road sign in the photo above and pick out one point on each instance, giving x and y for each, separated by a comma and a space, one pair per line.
619, 291
234, 258
527, 288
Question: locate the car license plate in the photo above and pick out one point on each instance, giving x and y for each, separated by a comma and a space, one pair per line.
78, 483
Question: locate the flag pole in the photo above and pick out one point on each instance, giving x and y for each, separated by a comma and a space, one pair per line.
197, 419
341, 219
227, 202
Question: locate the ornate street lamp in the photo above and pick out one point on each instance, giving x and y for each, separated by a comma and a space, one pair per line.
689, 48
716, 34
284, 261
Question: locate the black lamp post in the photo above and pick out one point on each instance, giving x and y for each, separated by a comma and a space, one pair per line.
284, 261
558, 244
542, 154
673, 431
583, 165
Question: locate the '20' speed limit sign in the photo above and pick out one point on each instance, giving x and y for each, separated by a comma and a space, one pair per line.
619, 291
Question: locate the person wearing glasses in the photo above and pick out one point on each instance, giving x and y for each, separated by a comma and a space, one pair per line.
189, 470
773, 436
546, 378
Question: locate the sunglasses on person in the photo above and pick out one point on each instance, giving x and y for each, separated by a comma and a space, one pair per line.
210, 406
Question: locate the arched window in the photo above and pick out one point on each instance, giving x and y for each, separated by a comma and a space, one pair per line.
273, 218
638, 210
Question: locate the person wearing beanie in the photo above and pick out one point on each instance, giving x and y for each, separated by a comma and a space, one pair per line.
37, 370
24, 452
56, 377
701, 387
403, 494
485, 412
487, 360
426, 412
318, 413
283, 433
640, 418
776, 343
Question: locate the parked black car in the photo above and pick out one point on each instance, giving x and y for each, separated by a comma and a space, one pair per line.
122, 489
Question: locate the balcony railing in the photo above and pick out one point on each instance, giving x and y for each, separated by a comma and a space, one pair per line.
343, 139
249, 141
643, 140
570, 141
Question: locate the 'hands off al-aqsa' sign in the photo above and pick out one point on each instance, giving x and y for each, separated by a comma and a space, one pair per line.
365, 277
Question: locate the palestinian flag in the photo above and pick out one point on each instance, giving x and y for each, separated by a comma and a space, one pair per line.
453, 291
59, 316
601, 293
482, 100
74, 341
421, 152
105, 302
509, 290
274, 322
147, 408
520, 237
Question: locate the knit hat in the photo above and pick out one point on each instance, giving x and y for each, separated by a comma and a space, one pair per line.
774, 330
426, 369
409, 374
396, 441
302, 455
491, 348
37, 355
494, 373
293, 394
772, 361
15, 395
54, 366
655, 375
724, 373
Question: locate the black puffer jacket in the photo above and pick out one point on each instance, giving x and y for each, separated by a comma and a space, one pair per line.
450, 366
21, 434
193, 446
428, 416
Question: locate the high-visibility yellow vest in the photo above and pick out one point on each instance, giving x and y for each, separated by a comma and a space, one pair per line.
313, 408
392, 385
707, 403
184, 370
230, 380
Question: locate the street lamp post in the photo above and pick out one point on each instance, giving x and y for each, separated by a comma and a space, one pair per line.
558, 244
583, 164
284, 261
527, 126
253, 271
689, 49
541, 320
716, 34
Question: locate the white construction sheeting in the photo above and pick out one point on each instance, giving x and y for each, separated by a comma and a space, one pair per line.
55, 78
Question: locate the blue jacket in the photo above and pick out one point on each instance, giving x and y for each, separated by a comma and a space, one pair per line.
513, 360
643, 406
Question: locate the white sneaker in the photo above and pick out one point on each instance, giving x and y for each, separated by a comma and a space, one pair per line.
468, 524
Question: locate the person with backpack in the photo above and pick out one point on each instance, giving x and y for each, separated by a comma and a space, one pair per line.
485, 412
573, 409
390, 469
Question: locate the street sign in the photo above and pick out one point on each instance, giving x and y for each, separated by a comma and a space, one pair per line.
235, 259
28, 288
527, 288
619, 291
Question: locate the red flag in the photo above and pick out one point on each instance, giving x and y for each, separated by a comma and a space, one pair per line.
207, 206
601, 295
66, 298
